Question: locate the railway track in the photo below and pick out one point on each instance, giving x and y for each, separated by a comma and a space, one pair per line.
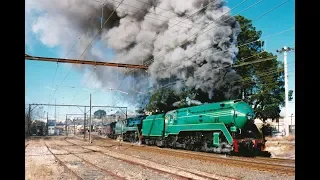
277, 160
265, 160
286, 162
93, 151
115, 176
180, 173
261, 164
62, 163
89, 170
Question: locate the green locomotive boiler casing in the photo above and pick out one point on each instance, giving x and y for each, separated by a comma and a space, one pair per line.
222, 119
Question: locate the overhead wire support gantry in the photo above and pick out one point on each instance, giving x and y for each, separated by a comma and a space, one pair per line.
94, 63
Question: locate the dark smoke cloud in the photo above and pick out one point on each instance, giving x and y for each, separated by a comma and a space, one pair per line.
138, 32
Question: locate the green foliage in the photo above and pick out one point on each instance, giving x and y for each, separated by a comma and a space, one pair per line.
35, 114
290, 95
99, 114
36, 126
162, 100
266, 130
140, 111
262, 84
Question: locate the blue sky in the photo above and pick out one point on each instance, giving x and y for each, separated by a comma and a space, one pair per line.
39, 75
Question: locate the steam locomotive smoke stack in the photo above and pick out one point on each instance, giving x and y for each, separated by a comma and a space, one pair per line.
138, 32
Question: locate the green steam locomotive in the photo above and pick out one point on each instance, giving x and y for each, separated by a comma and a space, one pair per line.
223, 127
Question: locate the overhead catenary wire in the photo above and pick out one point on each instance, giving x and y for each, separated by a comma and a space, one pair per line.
28, 97
243, 79
150, 11
262, 74
197, 34
236, 46
247, 63
168, 10
194, 14
54, 77
68, 54
92, 42
84, 84
268, 36
259, 53
180, 21
139, 10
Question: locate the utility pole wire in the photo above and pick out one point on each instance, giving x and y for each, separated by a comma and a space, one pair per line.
243, 79
237, 46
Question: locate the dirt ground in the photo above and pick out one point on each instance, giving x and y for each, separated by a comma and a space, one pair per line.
92, 161
41, 164
281, 147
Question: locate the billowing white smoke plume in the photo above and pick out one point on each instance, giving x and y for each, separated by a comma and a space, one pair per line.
141, 30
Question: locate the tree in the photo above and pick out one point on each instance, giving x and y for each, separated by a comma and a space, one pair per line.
35, 113
290, 95
262, 84
139, 111
99, 114
162, 101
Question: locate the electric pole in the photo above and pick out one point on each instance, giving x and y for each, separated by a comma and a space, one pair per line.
286, 120
84, 124
66, 125
29, 119
55, 109
90, 139
47, 123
